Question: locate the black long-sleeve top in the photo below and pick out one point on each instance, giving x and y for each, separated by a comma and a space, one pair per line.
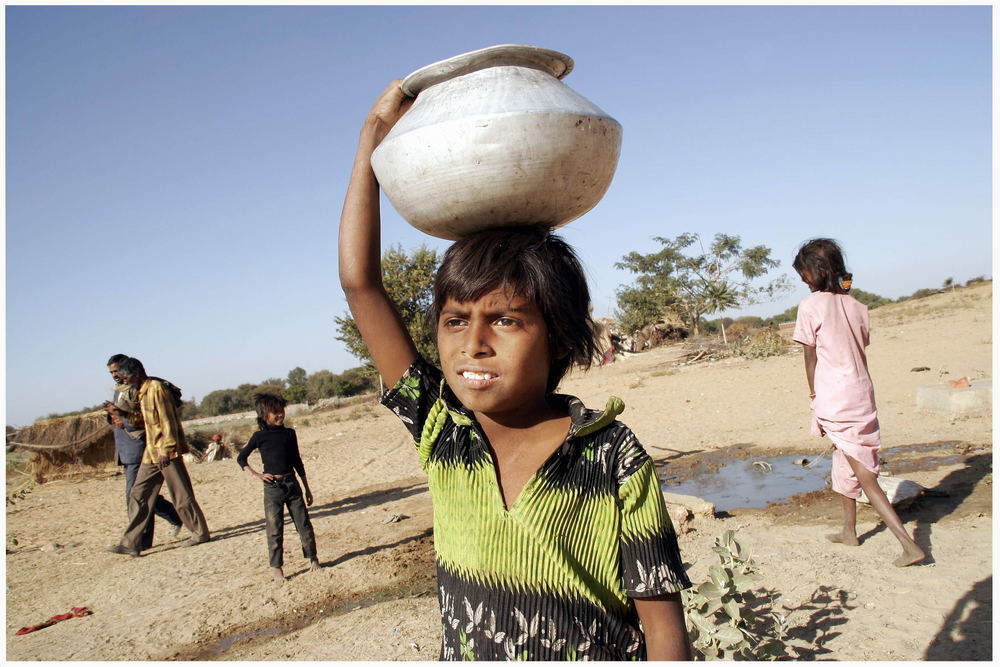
279, 451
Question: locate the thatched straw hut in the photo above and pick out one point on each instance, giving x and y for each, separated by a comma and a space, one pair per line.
67, 446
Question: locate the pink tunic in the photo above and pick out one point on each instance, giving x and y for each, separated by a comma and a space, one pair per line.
844, 407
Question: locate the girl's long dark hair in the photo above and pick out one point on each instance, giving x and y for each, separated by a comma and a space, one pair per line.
265, 403
820, 262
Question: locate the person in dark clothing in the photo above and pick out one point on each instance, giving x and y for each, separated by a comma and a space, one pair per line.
279, 453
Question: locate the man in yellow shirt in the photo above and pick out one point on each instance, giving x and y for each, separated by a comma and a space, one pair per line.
161, 462
130, 444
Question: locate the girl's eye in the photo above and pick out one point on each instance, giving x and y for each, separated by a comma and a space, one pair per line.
506, 321
453, 322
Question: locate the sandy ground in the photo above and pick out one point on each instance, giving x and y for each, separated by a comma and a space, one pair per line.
374, 597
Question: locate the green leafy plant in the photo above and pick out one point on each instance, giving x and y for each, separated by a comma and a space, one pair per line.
724, 624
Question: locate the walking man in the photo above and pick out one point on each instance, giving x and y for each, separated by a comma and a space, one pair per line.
130, 443
161, 462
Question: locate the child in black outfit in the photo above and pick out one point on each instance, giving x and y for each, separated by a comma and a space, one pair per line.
279, 452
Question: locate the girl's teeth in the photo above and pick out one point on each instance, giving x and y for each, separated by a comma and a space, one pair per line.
476, 376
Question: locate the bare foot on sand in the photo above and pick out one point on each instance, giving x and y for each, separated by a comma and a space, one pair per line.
844, 538
910, 557
278, 575
314, 565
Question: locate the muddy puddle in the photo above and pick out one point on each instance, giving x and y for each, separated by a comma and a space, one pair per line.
737, 479
755, 482
217, 649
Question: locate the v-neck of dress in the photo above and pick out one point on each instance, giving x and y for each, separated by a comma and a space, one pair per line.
580, 424
529, 484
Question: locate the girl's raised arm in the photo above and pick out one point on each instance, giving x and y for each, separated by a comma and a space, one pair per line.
378, 321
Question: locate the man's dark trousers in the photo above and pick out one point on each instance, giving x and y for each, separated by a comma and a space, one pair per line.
129, 452
142, 500
163, 507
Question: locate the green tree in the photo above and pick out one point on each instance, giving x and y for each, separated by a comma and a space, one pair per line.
641, 304
296, 391
295, 394
786, 316
274, 386
408, 280
297, 377
320, 385
718, 297
221, 402
722, 276
189, 409
354, 381
243, 398
240, 399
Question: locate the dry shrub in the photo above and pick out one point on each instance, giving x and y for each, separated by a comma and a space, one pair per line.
67, 446
739, 330
759, 345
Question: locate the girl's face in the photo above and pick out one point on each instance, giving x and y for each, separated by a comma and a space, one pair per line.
276, 418
495, 353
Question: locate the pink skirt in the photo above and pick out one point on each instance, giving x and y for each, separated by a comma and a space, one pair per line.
844, 481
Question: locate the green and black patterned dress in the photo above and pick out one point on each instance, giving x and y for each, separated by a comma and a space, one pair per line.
552, 577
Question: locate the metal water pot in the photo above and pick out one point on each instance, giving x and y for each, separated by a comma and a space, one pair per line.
495, 139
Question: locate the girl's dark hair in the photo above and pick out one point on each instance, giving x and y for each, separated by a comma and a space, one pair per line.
532, 263
265, 403
823, 261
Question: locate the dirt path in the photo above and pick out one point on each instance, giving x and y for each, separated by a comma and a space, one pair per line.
374, 598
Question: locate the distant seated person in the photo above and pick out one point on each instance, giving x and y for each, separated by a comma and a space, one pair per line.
214, 450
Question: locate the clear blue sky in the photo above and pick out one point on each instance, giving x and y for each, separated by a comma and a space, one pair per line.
174, 175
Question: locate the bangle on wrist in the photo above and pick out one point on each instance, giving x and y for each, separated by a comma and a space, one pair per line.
812, 395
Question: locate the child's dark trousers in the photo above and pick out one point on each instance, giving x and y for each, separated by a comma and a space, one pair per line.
277, 494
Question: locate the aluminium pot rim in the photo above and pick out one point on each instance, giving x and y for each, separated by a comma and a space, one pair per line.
521, 55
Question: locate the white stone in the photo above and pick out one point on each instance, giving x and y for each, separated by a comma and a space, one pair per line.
680, 517
697, 506
897, 490
976, 399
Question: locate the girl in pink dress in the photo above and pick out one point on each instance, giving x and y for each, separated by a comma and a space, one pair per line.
833, 330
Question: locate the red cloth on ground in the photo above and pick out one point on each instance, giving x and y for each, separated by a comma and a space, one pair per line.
74, 612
